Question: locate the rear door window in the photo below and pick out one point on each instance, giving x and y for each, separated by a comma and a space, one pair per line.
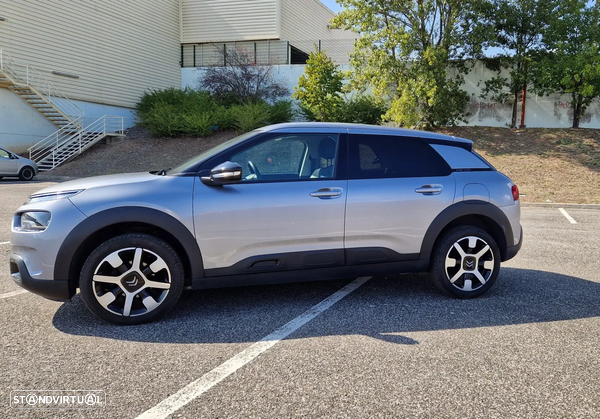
386, 156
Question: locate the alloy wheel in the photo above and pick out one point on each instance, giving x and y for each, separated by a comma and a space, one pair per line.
131, 282
469, 263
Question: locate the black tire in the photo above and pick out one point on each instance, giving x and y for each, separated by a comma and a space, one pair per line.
27, 173
476, 262
132, 292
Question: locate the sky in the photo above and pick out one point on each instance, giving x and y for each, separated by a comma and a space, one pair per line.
331, 4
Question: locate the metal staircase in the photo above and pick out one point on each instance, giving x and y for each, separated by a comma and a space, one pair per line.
75, 133
70, 140
31, 86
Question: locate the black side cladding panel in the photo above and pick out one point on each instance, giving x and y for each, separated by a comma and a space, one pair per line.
113, 216
281, 262
460, 209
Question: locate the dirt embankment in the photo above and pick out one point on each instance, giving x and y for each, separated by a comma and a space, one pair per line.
548, 165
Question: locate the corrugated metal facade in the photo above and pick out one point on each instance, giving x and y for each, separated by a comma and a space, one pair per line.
117, 48
265, 28
305, 22
206, 21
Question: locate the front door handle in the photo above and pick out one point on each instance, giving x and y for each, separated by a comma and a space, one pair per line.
327, 193
429, 189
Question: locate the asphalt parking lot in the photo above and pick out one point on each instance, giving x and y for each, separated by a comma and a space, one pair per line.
393, 347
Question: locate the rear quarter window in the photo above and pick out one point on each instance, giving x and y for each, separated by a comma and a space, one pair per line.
460, 159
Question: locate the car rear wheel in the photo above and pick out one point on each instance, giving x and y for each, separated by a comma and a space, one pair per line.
466, 262
131, 279
26, 173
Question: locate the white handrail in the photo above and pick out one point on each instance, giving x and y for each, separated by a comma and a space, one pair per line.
27, 75
55, 140
57, 148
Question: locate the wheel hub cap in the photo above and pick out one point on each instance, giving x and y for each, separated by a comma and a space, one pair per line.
132, 282
469, 263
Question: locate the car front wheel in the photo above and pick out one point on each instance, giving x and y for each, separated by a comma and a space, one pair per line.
466, 262
131, 279
26, 173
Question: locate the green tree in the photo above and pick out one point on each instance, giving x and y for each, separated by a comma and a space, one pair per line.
571, 64
408, 55
319, 88
516, 27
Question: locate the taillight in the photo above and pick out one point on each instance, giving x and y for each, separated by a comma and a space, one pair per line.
515, 192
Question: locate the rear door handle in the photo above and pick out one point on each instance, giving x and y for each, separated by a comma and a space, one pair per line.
429, 189
327, 193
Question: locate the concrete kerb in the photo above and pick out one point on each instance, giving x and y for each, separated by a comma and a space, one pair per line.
50, 178
558, 205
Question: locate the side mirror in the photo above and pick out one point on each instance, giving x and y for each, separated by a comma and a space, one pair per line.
223, 174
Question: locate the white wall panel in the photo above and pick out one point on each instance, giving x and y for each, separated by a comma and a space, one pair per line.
118, 49
228, 20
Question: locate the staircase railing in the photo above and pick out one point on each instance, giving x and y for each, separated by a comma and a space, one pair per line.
43, 148
58, 148
27, 75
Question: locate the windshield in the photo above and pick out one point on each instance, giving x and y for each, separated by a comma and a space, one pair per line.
212, 151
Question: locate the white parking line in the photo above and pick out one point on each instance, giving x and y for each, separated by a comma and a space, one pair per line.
196, 388
4, 242
12, 294
568, 217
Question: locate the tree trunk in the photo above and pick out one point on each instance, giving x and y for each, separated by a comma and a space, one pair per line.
513, 121
576, 111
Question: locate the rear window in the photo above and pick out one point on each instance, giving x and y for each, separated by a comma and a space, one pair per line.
460, 159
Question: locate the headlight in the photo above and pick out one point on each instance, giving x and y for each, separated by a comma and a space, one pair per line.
33, 221
52, 196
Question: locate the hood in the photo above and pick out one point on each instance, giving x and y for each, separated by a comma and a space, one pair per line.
99, 181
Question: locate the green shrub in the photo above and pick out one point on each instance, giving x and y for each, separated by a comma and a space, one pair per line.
163, 120
171, 112
224, 117
185, 100
251, 116
197, 123
319, 88
361, 109
281, 111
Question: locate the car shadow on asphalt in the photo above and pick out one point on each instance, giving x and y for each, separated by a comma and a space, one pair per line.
384, 308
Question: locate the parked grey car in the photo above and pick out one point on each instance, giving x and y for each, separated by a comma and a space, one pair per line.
13, 165
288, 202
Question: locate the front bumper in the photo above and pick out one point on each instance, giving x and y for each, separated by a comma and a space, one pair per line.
57, 290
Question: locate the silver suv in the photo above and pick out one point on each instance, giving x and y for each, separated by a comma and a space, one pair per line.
288, 202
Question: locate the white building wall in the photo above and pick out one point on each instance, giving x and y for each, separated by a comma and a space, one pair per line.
541, 112
20, 125
118, 49
229, 20
288, 74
